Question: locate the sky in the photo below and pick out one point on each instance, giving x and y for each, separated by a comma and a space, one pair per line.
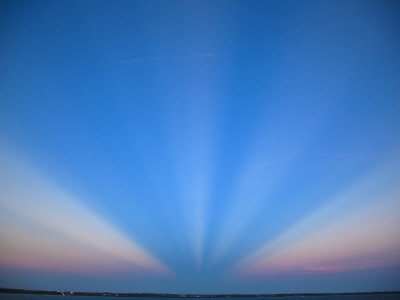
200, 146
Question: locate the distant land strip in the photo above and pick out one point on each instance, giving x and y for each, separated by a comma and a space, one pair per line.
162, 295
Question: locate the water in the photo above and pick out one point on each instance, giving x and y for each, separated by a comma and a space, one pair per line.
53, 297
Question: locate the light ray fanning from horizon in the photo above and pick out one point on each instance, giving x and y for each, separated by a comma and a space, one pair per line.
359, 228
42, 225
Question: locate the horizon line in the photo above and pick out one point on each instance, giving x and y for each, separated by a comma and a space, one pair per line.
185, 295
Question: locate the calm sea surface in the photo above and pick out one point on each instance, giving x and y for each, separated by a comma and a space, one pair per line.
353, 297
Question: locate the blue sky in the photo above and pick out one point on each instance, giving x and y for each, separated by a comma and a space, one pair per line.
200, 146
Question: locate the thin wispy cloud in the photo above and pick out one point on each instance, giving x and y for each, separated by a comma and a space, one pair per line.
139, 60
203, 55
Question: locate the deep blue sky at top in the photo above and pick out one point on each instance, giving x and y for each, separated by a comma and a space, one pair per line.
200, 127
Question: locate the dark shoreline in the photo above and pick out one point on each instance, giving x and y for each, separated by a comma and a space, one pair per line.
164, 295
